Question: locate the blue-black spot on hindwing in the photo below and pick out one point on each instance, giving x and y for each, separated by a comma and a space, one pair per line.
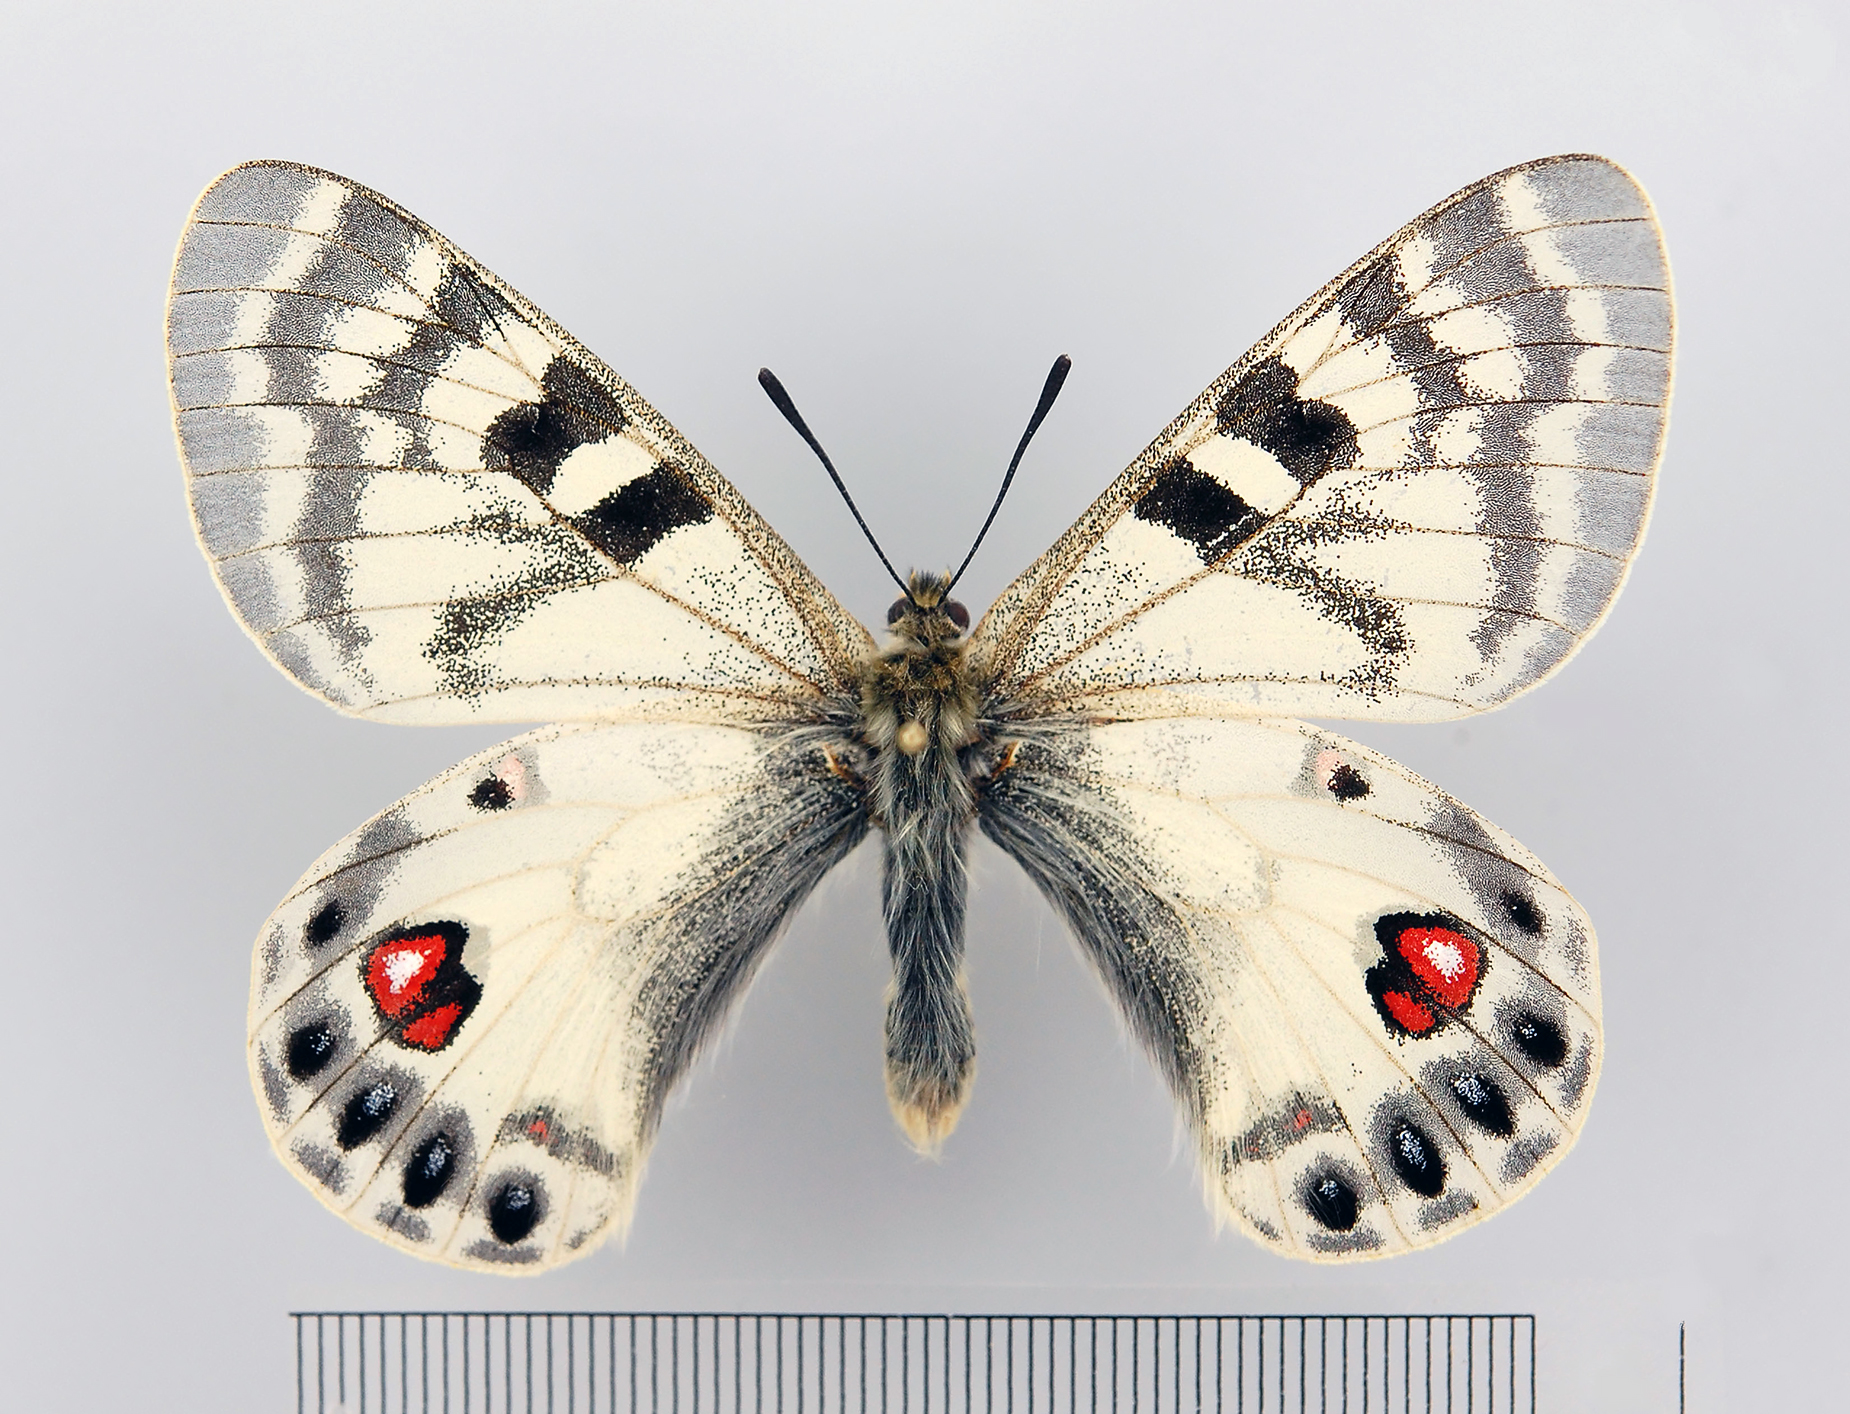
1308, 438
324, 923
1198, 508
1539, 1039
1484, 1104
1416, 1160
532, 440
366, 1114
432, 1166
1332, 1201
514, 1210
631, 520
1522, 912
310, 1048
491, 794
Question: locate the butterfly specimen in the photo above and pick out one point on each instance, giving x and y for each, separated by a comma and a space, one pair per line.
1411, 501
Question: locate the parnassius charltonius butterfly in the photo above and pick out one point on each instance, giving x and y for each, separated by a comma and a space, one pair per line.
1412, 500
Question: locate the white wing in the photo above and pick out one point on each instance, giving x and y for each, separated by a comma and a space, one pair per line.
466, 1017
1380, 1012
429, 503
1412, 500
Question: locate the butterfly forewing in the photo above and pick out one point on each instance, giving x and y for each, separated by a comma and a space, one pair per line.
1380, 1012
1412, 500
429, 503
466, 1017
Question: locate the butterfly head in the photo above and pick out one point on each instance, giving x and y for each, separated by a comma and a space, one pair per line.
925, 614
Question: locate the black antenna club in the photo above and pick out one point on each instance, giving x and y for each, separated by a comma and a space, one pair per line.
1056, 376
781, 400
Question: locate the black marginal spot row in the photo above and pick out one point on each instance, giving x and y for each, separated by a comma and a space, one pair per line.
324, 923
532, 440
1484, 1104
366, 1114
432, 1166
1539, 1039
1197, 508
514, 1211
633, 519
309, 1049
1332, 1201
1308, 438
1416, 1160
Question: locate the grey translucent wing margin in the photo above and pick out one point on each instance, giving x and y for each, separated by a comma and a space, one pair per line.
599, 897
419, 490
1414, 498
1265, 903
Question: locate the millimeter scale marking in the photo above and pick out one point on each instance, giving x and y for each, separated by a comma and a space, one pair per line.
686, 1362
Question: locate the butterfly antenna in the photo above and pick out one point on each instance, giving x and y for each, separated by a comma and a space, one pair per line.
1056, 376
775, 390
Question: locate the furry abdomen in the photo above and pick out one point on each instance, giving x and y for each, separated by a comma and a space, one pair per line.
918, 713
926, 808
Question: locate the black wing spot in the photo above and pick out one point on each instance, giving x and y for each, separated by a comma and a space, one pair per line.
1416, 1160
1539, 1039
326, 921
491, 794
1484, 1104
310, 1048
633, 519
1346, 783
1199, 509
366, 1114
514, 1211
532, 440
1308, 438
1523, 912
432, 1167
1332, 1201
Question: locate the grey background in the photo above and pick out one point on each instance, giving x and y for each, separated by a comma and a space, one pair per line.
907, 214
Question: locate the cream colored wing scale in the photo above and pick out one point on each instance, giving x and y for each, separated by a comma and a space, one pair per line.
1412, 500
1381, 1013
428, 503
466, 1017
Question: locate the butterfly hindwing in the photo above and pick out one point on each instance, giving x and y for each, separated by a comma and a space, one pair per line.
1380, 1013
429, 503
466, 1017
1412, 500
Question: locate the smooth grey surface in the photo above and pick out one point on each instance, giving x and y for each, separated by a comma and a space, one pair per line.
907, 216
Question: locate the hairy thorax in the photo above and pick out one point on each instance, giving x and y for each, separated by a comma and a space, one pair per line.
920, 691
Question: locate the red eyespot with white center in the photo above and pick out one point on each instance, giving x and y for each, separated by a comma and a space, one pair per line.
416, 980
1429, 971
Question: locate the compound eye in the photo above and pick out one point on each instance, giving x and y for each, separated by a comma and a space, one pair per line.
899, 607
959, 615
